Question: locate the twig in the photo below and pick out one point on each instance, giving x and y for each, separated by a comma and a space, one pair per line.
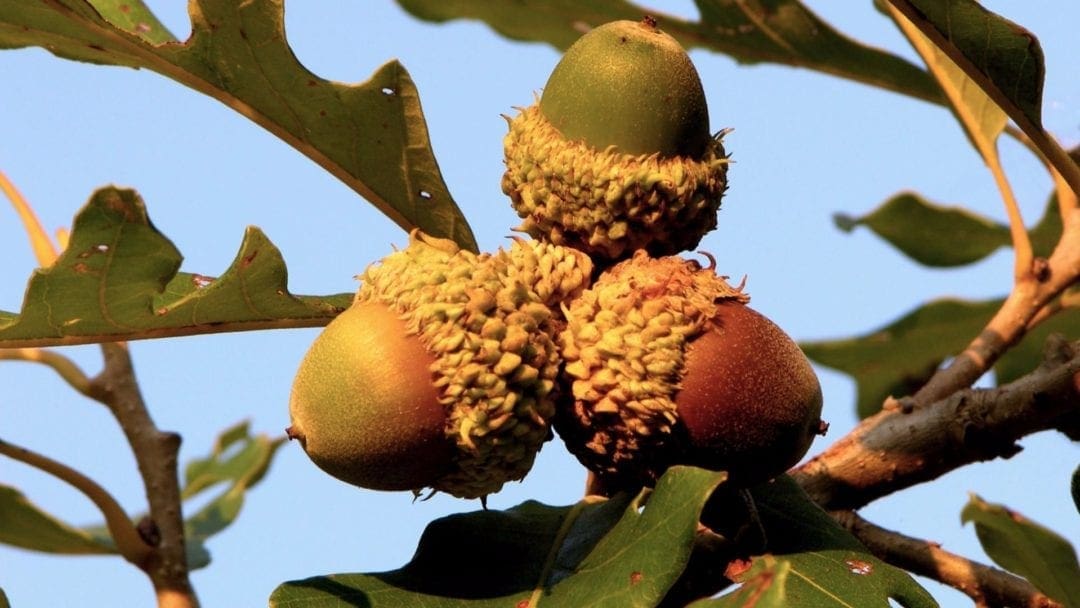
65, 367
44, 250
123, 532
986, 585
1046, 281
902, 446
156, 456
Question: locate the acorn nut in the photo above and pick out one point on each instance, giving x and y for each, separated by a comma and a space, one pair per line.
617, 155
666, 364
442, 373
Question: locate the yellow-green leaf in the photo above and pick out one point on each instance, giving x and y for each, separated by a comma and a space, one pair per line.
118, 280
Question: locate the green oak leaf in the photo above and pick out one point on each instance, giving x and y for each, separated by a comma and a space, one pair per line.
1002, 58
239, 460
897, 359
24, 525
1026, 548
596, 553
939, 236
118, 280
372, 135
779, 31
931, 234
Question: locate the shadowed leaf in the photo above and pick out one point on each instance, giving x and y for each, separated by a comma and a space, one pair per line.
779, 31
898, 359
1022, 546
596, 553
118, 280
238, 459
939, 236
931, 234
812, 561
1075, 488
372, 135
24, 525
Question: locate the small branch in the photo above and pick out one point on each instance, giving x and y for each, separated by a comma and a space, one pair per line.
985, 585
1029, 295
156, 456
123, 532
902, 446
65, 367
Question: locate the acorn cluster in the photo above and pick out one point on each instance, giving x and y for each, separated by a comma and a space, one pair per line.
451, 369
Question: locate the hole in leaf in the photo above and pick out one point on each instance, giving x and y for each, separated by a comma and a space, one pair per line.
425, 194
388, 91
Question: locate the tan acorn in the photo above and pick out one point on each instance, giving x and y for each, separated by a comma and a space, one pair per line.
617, 155
666, 364
442, 373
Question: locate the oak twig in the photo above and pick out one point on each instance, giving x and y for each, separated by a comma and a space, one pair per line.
65, 367
156, 456
902, 446
986, 585
1029, 295
123, 532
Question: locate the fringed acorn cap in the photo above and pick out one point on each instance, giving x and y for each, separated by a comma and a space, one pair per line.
617, 155
625, 349
488, 322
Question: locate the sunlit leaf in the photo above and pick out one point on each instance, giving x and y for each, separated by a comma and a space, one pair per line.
4, 603
134, 17
606, 553
898, 359
782, 31
931, 234
1022, 546
371, 135
118, 280
22, 524
982, 119
1003, 58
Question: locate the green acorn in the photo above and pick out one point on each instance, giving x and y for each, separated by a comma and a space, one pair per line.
442, 373
617, 155
666, 364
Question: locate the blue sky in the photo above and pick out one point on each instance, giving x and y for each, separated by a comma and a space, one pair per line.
804, 145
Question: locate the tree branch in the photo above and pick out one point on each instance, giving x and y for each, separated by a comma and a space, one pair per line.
122, 531
156, 455
986, 585
1046, 280
902, 446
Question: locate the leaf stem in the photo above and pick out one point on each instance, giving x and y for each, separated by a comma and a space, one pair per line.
43, 247
1021, 240
123, 532
985, 585
65, 367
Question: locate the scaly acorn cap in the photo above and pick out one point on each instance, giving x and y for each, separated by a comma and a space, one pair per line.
488, 322
665, 364
617, 155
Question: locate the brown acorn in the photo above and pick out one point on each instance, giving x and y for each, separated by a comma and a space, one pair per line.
666, 364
